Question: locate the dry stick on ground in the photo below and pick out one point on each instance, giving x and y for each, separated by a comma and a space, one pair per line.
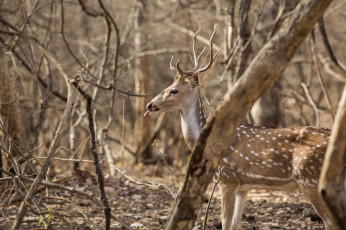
52, 212
334, 160
137, 181
100, 178
89, 195
16, 145
92, 226
23, 206
266, 67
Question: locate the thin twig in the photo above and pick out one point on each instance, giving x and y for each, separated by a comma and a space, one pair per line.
169, 170
23, 207
211, 197
137, 181
74, 190
99, 172
330, 51
140, 182
92, 226
108, 87
52, 212
319, 75
109, 16
27, 66
312, 103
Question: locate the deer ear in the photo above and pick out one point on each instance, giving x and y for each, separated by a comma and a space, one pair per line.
195, 80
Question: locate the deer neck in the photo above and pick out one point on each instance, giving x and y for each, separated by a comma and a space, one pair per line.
193, 120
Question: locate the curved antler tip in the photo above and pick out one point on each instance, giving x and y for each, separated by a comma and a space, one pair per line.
171, 64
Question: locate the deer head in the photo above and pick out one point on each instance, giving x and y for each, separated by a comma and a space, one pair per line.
183, 92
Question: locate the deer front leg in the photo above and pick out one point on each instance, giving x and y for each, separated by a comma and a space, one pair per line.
238, 210
229, 185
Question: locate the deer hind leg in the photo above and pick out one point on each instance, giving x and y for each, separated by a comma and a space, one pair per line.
229, 185
312, 194
238, 210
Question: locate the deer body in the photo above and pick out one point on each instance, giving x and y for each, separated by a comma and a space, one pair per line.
261, 158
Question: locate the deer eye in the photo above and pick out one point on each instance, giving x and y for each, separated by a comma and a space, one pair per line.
174, 91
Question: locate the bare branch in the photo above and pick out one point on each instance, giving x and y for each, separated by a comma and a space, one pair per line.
23, 207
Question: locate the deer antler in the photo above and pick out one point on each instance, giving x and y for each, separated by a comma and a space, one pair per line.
212, 58
196, 70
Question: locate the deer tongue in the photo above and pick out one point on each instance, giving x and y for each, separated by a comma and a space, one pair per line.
146, 113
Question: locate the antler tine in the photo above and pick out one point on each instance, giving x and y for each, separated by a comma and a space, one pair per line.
177, 68
171, 65
212, 57
195, 70
195, 60
201, 54
181, 72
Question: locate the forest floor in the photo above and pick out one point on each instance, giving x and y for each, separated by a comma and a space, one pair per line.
143, 207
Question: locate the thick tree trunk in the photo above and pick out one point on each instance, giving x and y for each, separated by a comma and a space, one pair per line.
331, 181
142, 83
261, 74
266, 111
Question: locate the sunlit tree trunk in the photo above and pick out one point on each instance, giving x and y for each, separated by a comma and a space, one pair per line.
331, 184
142, 84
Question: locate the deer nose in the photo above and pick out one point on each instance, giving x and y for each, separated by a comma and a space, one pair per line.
150, 106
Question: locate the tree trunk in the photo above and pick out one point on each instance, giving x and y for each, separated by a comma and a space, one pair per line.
266, 110
331, 184
142, 82
267, 66
11, 114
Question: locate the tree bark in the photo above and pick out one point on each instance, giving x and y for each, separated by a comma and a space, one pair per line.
266, 67
142, 85
266, 111
331, 185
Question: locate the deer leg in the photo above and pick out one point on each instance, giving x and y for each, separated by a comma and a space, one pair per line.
238, 210
229, 185
312, 194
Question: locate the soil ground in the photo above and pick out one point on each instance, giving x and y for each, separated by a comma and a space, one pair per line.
144, 207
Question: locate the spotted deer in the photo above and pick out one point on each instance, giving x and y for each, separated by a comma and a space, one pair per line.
261, 158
